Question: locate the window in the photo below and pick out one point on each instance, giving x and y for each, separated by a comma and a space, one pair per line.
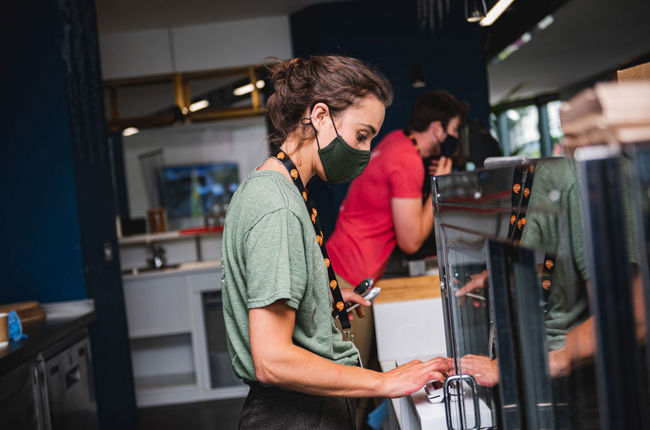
532, 130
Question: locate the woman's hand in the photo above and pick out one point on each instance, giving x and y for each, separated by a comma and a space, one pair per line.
559, 362
411, 377
349, 296
482, 368
477, 282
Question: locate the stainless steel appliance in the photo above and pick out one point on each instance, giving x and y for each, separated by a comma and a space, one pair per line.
63, 382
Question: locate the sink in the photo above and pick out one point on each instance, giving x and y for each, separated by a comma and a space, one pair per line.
138, 270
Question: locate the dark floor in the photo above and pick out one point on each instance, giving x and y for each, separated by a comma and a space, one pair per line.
210, 415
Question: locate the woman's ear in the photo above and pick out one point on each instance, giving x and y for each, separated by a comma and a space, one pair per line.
319, 113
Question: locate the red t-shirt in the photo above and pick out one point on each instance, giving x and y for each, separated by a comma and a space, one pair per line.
364, 236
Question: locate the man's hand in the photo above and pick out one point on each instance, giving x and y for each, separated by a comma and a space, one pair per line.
349, 296
441, 166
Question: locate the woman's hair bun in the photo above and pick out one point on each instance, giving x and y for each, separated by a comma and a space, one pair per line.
334, 80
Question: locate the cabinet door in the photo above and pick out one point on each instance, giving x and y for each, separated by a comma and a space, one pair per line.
19, 405
157, 306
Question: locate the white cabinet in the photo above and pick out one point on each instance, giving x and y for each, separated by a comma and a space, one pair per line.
177, 347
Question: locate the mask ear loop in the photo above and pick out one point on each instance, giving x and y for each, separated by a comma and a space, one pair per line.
308, 121
335, 130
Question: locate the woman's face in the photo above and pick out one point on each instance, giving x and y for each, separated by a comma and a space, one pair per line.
358, 125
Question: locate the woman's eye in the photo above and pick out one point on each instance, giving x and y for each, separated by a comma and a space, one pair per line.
361, 137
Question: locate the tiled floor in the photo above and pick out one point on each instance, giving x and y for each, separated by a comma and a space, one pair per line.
211, 415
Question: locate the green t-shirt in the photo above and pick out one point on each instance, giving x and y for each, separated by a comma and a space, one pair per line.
554, 225
270, 253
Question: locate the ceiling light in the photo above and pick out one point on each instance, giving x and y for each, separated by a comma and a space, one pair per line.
130, 131
417, 77
244, 89
474, 10
545, 22
260, 84
495, 12
201, 104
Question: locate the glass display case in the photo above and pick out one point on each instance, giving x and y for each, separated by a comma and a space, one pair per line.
615, 184
515, 285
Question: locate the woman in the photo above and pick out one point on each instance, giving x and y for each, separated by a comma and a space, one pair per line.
278, 285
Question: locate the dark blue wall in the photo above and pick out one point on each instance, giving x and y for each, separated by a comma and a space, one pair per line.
41, 252
386, 34
57, 199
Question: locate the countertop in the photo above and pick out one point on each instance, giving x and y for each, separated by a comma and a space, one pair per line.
408, 288
174, 270
62, 320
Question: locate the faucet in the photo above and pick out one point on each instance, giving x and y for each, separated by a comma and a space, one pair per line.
158, 259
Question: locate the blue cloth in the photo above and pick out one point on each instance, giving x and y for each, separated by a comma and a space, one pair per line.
377, 417
15, 327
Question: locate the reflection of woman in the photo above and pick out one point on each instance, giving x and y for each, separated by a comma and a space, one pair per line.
277, 281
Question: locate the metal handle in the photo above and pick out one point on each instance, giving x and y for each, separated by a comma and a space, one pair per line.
472, 383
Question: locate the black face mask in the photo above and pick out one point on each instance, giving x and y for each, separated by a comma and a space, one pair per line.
448, 146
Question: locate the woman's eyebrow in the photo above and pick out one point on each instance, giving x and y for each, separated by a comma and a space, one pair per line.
372, 129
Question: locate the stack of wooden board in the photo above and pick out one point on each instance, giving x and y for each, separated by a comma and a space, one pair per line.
28, 312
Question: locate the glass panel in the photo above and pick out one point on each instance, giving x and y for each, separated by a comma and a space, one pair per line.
639, 227
615, 192
533, 286
145, 99
218, 93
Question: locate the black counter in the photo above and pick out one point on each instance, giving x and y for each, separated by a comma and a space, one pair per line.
62, 320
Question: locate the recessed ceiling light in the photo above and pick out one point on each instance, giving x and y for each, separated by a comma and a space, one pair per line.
201, 104
129, 131
495, 12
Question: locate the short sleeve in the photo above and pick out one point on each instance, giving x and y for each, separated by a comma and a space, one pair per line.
406, 178
275, 261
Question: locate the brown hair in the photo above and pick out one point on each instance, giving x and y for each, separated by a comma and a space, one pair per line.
436, 105
299, 84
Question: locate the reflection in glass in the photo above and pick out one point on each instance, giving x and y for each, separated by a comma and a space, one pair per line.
512, 308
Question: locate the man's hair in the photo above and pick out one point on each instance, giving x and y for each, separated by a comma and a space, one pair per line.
437, 105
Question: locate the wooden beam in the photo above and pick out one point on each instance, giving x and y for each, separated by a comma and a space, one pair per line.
216, 115
179, 95
255, 95
169, 77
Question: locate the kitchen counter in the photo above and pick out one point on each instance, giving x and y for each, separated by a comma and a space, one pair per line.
199, 266
62, 320
408, 288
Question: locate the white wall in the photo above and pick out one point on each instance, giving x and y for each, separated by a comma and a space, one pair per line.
242, 141
196, 47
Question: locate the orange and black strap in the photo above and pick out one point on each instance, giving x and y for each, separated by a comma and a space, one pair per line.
520, 197
339, 306
521, 192
547, 278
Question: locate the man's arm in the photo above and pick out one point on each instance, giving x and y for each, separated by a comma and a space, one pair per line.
412, 220
278, 361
